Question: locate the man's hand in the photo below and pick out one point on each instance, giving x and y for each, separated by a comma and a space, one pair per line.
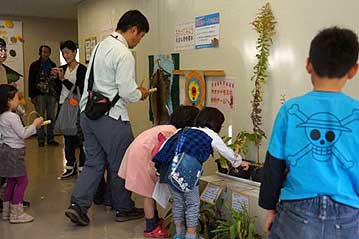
144, 93
269, 220
61, 74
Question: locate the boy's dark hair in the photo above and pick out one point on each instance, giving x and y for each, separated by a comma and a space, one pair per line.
7, 92
69, 45
183, 116
333, 52
46, 46
2, 43
211, 118
133, 18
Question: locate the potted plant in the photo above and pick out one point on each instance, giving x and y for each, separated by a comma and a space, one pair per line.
168, 223
240, 225
264, 24
209, 216
239, 144
208, 219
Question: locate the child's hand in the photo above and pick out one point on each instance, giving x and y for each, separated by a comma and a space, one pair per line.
245, 165
269, 220
38, 122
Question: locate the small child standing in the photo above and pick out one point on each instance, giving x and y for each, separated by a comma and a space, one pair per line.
198, 143
138, 169
311, 172
12, 155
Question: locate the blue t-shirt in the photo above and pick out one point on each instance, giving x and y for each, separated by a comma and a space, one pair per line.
317, 135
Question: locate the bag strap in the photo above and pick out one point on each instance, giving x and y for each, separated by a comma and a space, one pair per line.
180, 141
91, 77
114, 101
91, 80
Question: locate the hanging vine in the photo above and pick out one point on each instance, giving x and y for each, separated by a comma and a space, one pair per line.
264, 24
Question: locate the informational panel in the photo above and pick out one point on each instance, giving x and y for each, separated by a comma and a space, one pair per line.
211, 193
222, 94
239, 201
11, 32
90, 44
207, 31
184, 39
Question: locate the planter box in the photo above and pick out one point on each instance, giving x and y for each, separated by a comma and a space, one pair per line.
255, 174
248, 188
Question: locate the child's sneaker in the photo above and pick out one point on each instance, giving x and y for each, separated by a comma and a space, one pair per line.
158, 232
179, 237
17, 214
6, 210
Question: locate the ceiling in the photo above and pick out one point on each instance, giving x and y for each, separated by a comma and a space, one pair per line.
66, 9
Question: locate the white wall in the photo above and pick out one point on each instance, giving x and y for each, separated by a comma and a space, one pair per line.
298, 22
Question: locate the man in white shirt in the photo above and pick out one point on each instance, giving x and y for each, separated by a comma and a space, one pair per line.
107, 138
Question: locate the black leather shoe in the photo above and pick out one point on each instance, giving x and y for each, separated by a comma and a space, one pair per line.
133, 214
77, 216
70, 171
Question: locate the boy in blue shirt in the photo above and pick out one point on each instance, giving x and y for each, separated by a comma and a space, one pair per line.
311, 172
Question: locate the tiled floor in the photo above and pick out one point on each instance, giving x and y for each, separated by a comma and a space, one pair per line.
50, 197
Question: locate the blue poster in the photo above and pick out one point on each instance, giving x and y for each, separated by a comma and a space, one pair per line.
207, 31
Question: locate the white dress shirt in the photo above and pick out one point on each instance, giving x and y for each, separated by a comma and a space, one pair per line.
114, 73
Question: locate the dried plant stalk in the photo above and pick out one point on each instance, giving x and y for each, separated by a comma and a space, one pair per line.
264, 24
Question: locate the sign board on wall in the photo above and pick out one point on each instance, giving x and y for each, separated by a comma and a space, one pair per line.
90, 44
207, 31
11, 32
222, 94
184, 38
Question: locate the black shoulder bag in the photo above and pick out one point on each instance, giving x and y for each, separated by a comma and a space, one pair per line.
97, 104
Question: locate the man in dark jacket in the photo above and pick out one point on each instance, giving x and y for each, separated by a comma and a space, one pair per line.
44, 93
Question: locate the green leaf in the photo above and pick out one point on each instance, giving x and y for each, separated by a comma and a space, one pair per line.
251, 231
233, 231
239, 229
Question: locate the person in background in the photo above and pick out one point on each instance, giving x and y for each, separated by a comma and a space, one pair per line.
44, 92
12, 155
73, 73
